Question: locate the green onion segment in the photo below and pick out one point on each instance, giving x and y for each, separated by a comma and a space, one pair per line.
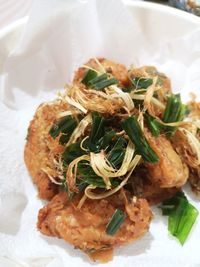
174, 112
115, 222
96, 82
153, 125
133, 130
65, 126
141, 82
181, 216
89, 75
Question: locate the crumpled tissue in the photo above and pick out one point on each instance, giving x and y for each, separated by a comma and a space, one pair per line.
58, 37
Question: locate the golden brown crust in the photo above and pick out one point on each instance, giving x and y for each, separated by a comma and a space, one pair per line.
152, 192
40, 146
85, 228
194, 179
170, 171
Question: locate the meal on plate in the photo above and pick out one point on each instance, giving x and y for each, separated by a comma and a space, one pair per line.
115, 142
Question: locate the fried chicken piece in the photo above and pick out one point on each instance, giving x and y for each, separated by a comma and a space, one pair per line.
170, 171
184, 149
143, 187
40, 147
119, 71
85, 228
194, 179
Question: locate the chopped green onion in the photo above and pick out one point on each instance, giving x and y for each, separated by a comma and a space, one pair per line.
98, 82
100, 137
174, 112
115, 222
104, 83
89, 75
187, 221
106, 139
86, 174
84, 170
133, 130
66, 125
98, 79
72, 152
153, 125
97, 132
64, 139
182, 216
141, 83
116, 154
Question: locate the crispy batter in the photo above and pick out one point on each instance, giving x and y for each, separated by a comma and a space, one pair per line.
145, 188
194, 179
40, 147
85, 228
170, 171
184, 149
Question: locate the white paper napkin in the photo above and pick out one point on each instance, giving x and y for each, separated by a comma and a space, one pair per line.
59, 37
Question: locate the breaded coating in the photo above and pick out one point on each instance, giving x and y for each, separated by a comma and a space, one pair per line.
170, 171
85, 228
194, 179
40, 147
145, 188
188, 156
119, 71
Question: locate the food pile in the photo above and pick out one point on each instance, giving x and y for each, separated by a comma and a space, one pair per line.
115, 142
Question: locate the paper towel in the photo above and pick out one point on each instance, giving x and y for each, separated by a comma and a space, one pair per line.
60, 36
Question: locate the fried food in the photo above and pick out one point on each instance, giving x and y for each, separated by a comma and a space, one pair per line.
170, 171
103, 152
143, 187
40, 147
85, 228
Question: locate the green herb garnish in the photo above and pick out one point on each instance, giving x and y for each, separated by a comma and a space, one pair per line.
66, 125
100, 136
85, 172
89, 75
97, 132
174, 112
98, 82
153, 125
133, 130
115, 222
116, 154
72, 152
104, 83
182, 216
141, 83
64, 139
